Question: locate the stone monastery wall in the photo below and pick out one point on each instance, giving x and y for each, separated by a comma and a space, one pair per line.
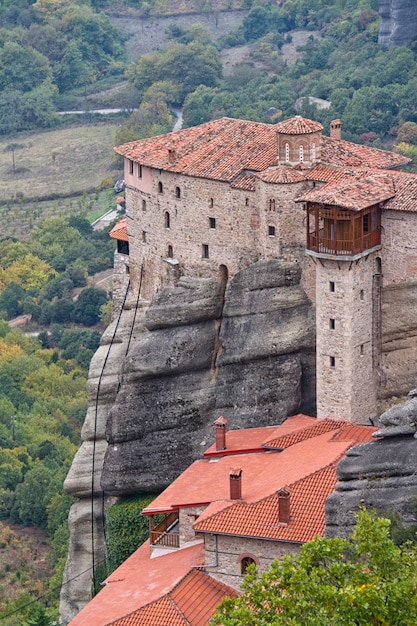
202, 224
223, 560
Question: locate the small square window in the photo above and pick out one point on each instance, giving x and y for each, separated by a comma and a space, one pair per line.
212, 221
332, 361
205, 251
332, 323
332, 286
271, 231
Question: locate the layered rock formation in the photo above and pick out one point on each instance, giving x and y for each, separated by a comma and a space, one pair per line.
398, 22
205, 348
380, 475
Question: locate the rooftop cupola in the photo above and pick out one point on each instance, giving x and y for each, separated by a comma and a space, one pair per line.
299, 141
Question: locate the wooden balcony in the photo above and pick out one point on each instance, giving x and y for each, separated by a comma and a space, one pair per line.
166, 532
342, 233
342, 247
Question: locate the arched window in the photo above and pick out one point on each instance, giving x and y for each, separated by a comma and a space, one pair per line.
160, 187
244, 564
313, 151
211, 203
167, 219
170, 252
177, 192
143, 205
301, 154
287, 151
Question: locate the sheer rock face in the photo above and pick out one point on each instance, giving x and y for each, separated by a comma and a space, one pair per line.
381, 475
163, 375
246, 352
398, 22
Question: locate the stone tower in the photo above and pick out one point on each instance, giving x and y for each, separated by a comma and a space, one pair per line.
344, 242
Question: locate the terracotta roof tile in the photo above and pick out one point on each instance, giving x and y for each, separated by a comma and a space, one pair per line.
263, 472
282, 175
219, 150
298, 126
320, 427
119, 231
354, 192
346, 154
192, 603
225, 148
245, 181
260, 519
139, 581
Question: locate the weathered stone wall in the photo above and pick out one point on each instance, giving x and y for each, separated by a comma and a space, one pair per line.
233, 224
345, 311
223, 555
121, 272
399, 248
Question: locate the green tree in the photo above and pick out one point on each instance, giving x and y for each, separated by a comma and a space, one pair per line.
368, 580
87, 308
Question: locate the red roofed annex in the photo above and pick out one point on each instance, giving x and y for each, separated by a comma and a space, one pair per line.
256, 495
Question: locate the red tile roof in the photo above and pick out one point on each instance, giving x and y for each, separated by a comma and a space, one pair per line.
263, 471
298, 126
192, 602
139, 581
320, 427
282, 175
354, 192
225, 148
346, 154
119, 231
260, 519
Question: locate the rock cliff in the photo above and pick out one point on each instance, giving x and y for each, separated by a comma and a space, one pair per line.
398, 22
245, 350
381, 475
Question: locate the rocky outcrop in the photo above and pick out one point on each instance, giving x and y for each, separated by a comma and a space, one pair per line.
204, 348
398, 22
243, 353
381, 475
86, 516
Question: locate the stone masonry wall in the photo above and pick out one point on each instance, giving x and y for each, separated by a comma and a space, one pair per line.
206, 224
223, 555
344, 310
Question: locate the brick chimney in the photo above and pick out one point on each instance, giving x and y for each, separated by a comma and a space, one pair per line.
220, 424
235, 476
336, 129
171, 155
284, 516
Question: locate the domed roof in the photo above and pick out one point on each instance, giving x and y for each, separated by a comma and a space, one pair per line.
298, 126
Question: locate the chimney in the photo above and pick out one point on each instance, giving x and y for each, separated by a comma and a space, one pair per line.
171, 155
336, 129
284, 516
220, 424
235, 476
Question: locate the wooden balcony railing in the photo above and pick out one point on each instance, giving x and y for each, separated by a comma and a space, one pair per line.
162, 534
342, 247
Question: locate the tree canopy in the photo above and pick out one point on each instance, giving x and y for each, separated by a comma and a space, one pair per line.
362, 581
